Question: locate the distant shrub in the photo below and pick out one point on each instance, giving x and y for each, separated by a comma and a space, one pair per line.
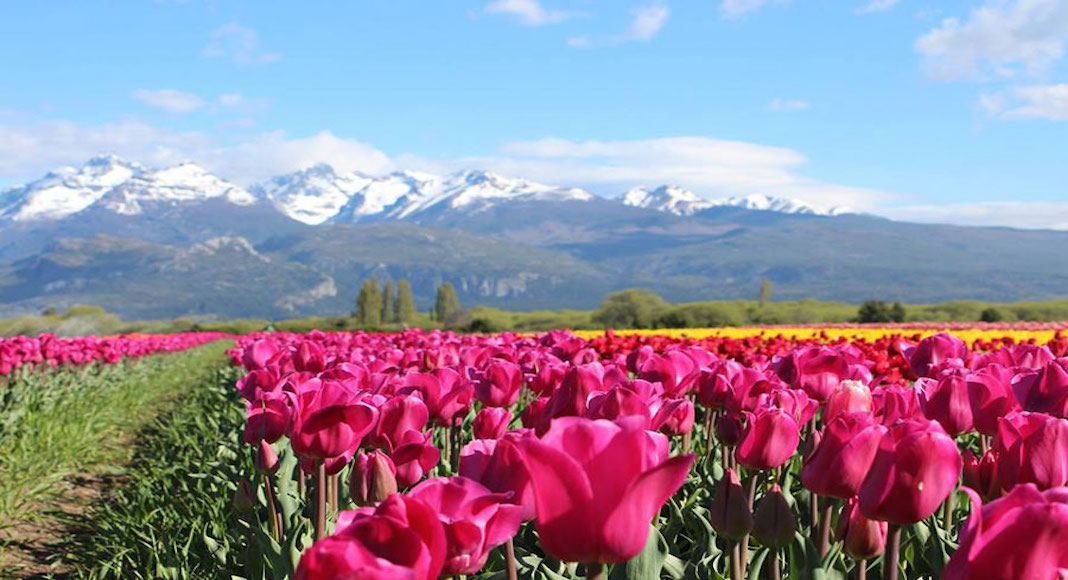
991, 315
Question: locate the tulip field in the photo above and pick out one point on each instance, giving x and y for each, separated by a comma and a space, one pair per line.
428, 454
897, 452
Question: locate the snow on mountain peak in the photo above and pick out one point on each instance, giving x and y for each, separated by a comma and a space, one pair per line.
67, 190
312, 195
679, 201
185, 182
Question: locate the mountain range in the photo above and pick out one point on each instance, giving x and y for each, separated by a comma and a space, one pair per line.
181, 241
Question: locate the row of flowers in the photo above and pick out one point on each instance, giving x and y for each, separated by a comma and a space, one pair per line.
49, 351
419, 454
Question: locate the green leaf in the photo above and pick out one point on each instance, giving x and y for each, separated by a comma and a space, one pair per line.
648, 564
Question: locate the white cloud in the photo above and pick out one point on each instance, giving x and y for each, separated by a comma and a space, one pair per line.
169, 100
1022, 214
877, 6
1001, 39
648, 20
1048, 102
738, 8
237, 44
529, 12
30, 147
788, 105
713, 167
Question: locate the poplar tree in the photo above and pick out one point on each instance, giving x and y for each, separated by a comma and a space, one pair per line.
404, 306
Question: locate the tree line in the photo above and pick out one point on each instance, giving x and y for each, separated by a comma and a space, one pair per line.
388, 303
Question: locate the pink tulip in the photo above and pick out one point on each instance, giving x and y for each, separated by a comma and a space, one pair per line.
848, 397
862, 539
675, 370
770, 441
476, 520
414, 457
981, 474
402, 538
598, 485
914, 471
1021, 535
396, 416
619, 401
991, 396
946, 400
818, 370
936, 353
330, 420
894, 403
446, 394
498, 465
675, 417
1046, 391
729, 512
573, 394
268, 417
500, 384
1032, 448
491, 423
266, 459
373, 478
838, 465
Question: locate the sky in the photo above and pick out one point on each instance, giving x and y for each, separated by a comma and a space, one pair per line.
927, 110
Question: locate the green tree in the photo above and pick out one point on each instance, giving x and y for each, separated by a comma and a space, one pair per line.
765, 291
897, 312
404, 305
447, 304
630, 308
990, 315
369, 304
874, 311
387, 302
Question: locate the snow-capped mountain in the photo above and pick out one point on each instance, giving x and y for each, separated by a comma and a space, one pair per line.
116, 185
172, 186
67, 190
312, 195
683, 202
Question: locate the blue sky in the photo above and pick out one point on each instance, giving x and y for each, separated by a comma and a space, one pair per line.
929, 110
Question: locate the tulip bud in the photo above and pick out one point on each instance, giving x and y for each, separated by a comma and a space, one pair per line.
861, 538
730, 428
729, 512
810, 445
244, 496
373, 478
981, 474
266, 458
774, 522
491, 423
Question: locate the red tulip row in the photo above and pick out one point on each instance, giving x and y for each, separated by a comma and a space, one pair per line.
592, 442
49, 351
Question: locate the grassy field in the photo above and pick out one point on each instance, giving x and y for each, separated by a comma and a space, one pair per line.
72, 436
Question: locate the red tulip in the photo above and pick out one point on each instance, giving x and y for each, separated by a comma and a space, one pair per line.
498, 465
401, 538
1021, 535
945, 400
914, 471
862, 539
839, 464
848, 397
500, 384
598, 485
1032, 448
491, 423
476, 520
770, 441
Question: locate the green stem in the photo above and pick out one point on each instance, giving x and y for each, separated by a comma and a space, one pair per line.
320, 506
893, 553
